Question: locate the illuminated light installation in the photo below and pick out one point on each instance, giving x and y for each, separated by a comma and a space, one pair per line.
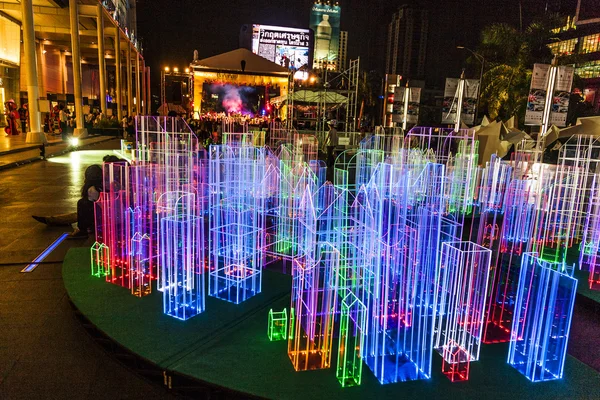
100, 256
113, 223
583, 153
557, 229
315, 279
167, 152
463, 282
294, 177
495, 180
278, 325
401, 300
313, 300
589, 255
544, 309
351, 336
182, 259
237, 224
516, 233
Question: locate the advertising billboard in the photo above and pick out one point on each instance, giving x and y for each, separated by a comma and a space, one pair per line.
325, 23
451, 98
414, 99
536, 100
288, 47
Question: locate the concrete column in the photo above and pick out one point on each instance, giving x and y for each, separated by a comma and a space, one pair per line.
129, 81
36, 133
119, 88
80, 131
148, 93
101, 62
143, 109
63, 71
138, 86
42, 70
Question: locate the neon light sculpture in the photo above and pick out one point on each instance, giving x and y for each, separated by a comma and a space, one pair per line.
402, 301
516, 233
544, 309
313, 300
115, 228
353, 321
463, 281
278, 325
590, 246
182, 259
236, 222
100, 255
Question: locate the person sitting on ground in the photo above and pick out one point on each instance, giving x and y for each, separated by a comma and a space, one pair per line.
90, 193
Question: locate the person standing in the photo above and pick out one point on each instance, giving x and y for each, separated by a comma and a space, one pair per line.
331, 141
62, 118
23, 117
12, 116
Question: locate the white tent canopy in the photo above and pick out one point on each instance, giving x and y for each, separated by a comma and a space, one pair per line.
314, 97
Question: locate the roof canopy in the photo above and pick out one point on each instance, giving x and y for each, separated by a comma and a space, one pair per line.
232, 61
309, 96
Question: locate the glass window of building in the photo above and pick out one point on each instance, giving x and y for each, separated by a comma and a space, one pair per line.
564, 47
588, 70
590, 43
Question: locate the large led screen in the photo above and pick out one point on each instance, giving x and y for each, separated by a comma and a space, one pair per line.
288, 47
232, 99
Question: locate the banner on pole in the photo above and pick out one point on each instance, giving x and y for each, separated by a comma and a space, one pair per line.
536, 100
414, 99
469, 104
561, 96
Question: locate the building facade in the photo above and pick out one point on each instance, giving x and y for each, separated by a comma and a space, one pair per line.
103, 42
406, 44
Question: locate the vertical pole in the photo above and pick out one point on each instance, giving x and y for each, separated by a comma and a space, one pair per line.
42, 75
80, 131
143, 104
459, 101
148, 93
101, 62
63, 71
138, 77
35, 135
479, 90
548, 104
129, 80
119, 90
406, 100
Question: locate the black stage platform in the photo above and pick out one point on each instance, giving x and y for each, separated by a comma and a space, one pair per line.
226, 348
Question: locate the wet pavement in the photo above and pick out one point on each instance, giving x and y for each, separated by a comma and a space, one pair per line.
44, 351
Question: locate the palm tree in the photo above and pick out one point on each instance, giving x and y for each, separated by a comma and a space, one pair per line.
510, 55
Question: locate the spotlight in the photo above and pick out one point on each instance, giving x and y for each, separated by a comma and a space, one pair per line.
74, 141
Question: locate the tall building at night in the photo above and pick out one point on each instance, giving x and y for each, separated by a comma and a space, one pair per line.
580, 37
343, 51
406, 43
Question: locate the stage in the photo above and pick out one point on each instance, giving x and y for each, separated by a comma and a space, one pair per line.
227, 347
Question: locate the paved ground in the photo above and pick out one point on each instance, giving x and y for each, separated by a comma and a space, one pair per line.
44, 351
14, 149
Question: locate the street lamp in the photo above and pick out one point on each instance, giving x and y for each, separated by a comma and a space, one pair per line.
481, 59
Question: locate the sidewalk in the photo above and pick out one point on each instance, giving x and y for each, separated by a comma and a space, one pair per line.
14, 151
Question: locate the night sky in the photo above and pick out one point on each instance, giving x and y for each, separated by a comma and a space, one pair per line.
172, 30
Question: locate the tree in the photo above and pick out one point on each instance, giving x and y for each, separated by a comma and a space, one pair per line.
510, 55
